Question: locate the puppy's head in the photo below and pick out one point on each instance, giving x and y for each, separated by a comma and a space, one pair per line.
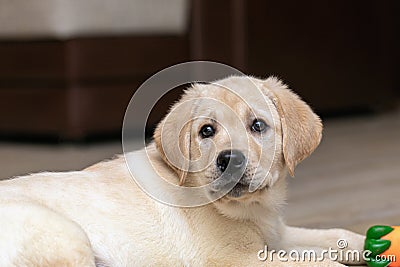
238, 135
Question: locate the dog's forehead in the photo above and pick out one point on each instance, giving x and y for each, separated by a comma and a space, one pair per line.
241, 94
241, 86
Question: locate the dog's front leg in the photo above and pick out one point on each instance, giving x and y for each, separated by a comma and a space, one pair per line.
343, 245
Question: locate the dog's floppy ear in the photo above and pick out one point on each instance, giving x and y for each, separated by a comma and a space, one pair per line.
301, 127
173, 137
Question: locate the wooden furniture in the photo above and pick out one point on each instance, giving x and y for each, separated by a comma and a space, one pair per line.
80, 87
338, 56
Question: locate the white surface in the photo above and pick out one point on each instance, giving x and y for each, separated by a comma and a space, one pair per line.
30, 19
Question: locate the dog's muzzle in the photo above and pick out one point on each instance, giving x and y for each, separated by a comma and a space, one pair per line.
232, 165
231, 162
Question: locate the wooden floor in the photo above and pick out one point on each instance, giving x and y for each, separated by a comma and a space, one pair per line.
351, 181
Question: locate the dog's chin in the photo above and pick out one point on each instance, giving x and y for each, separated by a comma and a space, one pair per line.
241, 191
238, 191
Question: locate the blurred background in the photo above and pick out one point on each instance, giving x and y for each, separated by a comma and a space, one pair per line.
68, 69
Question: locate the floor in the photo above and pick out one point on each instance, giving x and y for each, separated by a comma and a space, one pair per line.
351, 181
353, 178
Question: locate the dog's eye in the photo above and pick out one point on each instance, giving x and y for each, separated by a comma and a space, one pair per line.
207, 131
259, 126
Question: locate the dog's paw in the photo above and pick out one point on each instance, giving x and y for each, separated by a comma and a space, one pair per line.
351, 245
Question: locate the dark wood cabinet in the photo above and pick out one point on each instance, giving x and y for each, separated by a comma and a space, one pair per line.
338, 55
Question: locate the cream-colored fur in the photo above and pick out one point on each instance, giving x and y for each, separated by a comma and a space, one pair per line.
100, 217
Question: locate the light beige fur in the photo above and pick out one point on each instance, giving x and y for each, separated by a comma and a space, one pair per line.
100, 217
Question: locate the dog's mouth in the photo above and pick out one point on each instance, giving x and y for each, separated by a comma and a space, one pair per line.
238, 190
237, 187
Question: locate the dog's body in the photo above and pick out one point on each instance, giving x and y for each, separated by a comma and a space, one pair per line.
100, 217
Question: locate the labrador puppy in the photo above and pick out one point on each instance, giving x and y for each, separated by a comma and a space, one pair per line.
234, 140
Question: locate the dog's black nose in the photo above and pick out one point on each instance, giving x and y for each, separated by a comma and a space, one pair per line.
234, 160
